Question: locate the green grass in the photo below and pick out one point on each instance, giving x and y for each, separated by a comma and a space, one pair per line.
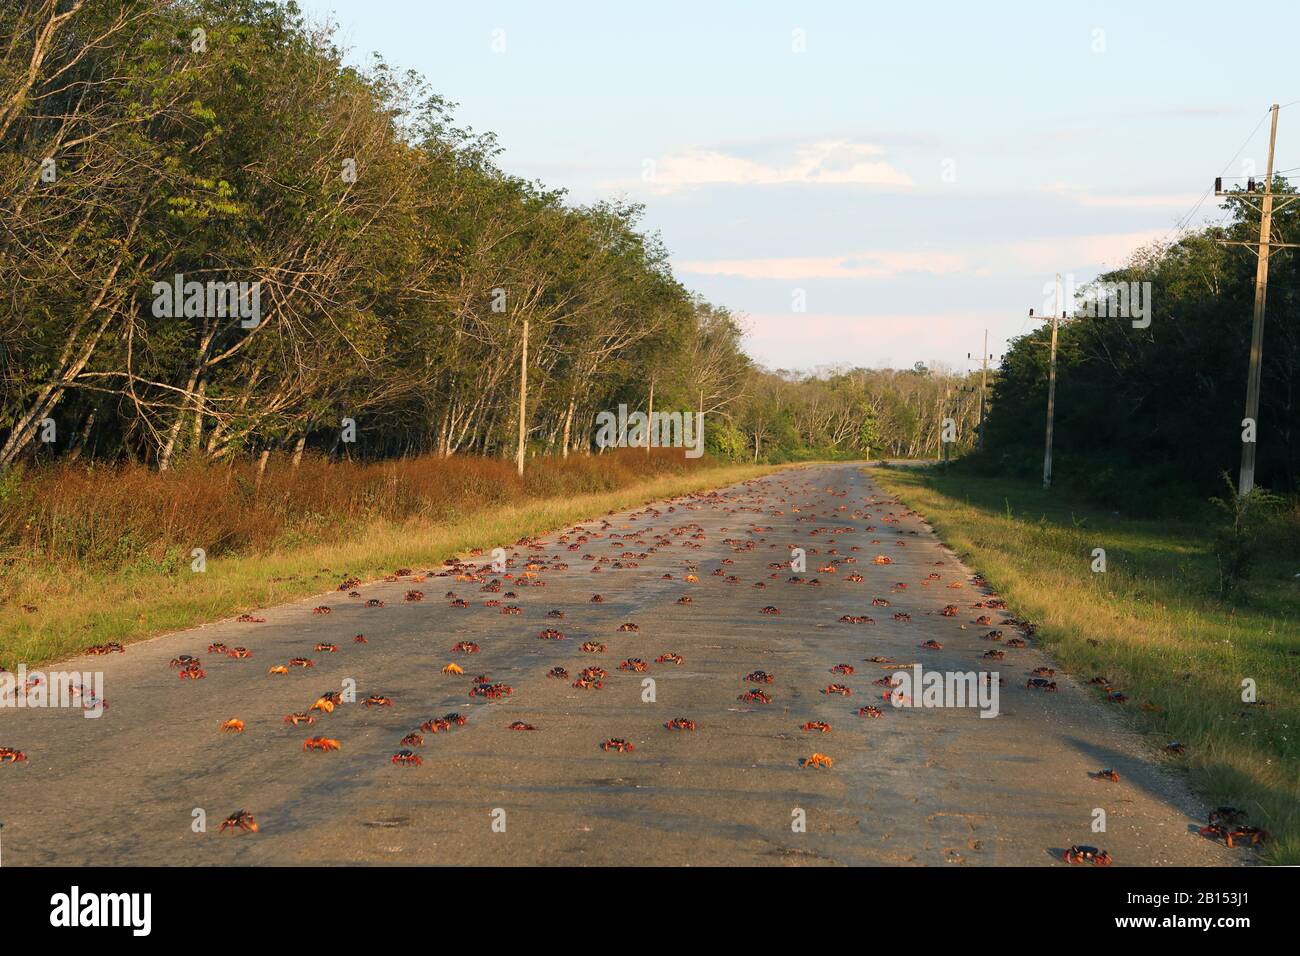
80, 607
1161, 635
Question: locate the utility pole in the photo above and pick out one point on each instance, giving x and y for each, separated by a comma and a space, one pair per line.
984, 384
1051, 385
943, 427
1246, 480
523, 403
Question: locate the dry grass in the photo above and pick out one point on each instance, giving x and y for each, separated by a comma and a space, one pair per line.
105, 554
1160, 634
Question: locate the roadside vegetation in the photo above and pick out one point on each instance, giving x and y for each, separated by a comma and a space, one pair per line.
1155, 622
106, 555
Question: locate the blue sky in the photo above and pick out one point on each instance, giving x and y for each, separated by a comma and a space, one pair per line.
910, 174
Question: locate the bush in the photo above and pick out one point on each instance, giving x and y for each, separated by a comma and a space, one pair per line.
1236, 542
124, 516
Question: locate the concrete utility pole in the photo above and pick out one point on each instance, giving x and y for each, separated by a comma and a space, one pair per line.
1051, 385
984, 384
1246, 480
523, 403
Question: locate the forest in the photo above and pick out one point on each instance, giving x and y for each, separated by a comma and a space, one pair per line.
1157, 412
227, 151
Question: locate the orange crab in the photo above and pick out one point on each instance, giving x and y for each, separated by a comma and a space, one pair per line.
321, 743
818, 760
453, 669
233, 726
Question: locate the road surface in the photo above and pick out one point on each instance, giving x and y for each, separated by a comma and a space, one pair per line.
919, 786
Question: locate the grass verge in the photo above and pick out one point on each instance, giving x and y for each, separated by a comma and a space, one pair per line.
1178, 653
80, 606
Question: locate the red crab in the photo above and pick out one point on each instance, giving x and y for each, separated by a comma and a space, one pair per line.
407, 758
755, 696
465, 647
360, 639
559, 673
820, 725
670, 658
592, 647
770, 610
634, 664
322, 609
550, 634
250, 619
300, 718
870, 711
412, 740
216, 647
1106, 773
378, 700
415, 596
617, 743
1040, 683
239, 820
837, 689
629, 627
520, 725
932, 646
239, 653
680, 723
11, 755
1086, 854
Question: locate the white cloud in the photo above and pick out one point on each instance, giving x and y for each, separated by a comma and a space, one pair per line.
979, 260
805, 340
854, 265
827, 162
1101, 199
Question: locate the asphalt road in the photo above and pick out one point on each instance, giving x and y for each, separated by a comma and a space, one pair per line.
931, 786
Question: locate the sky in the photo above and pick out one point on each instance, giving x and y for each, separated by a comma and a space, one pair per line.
867, 184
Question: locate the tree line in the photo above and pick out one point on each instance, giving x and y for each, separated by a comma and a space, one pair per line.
221, 240
1143, 413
